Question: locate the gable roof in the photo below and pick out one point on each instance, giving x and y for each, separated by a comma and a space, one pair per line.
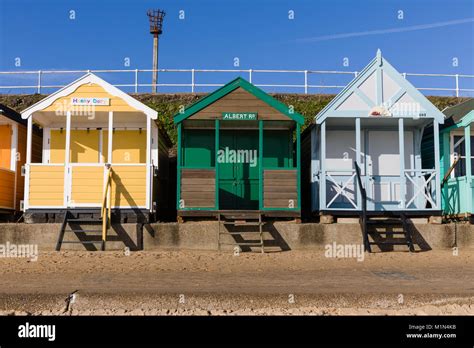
11, 114
231, 86
456, 113
379, 86
89, 78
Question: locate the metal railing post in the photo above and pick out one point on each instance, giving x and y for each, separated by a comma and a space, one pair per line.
39, 81
457, 85
192, 80
306, 82
250, 75
136, 80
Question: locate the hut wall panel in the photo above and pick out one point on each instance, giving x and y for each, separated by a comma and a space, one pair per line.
7, 187
87, 184
279, 187
46, 186
198, 188
129, 186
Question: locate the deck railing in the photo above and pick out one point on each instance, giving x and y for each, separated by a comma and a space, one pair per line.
186, 80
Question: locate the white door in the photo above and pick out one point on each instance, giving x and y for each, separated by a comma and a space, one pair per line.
383, 168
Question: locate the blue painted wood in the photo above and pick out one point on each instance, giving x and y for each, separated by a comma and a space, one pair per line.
437, 166
358, 152
322, 183
401, 145
467, 140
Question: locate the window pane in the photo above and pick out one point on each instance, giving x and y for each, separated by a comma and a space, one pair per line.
460, 149
460, 169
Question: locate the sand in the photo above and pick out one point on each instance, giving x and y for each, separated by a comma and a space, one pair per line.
220, 283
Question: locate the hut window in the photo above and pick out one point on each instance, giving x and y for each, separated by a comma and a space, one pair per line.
459, 150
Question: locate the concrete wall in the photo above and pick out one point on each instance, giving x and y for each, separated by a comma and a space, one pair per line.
203, 236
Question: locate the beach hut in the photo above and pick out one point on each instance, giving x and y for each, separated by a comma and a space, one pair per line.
237, 157
12, 159
365, 151
104, 157
457, 160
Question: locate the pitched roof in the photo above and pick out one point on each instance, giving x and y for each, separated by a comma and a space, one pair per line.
380, 87
89, 78
456, 113
11, 114
231, 86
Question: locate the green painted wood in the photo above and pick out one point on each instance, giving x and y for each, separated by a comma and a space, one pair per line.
199, 148
238, 180
217, 146
276, 153
231, 86
178, 165
260, 161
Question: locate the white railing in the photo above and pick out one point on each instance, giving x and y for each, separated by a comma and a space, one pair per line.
461, 84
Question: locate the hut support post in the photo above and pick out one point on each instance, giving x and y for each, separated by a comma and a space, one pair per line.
217, 131
148, 162
358, 151
322, 185
401, 145
67, 159
178, 167
437, 165
467, 140
29, 140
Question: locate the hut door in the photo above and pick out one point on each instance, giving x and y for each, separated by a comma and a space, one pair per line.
383, 168
238, 170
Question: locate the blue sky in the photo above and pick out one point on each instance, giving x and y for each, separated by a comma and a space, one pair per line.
258, 32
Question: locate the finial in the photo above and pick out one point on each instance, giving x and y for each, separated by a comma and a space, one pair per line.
379, 56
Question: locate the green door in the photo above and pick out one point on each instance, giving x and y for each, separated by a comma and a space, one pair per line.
238, 170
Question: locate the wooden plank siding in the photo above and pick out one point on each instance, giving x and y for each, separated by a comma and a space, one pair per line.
198, 188
239, 100
46, 186
87, 185
280, 188
7, 187
129, 186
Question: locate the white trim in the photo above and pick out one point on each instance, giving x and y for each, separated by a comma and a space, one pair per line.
456, 132
89, 78
154, 145
110, 137
148, 162
66, 160
29, 134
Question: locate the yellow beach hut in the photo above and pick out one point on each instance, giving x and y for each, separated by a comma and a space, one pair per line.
12, 158
104, 157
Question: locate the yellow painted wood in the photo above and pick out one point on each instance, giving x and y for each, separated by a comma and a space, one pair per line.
5, 146
129, 146
87, 185
129, 186
7, 188
90, 91
38, 196
84, 146
57, 146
